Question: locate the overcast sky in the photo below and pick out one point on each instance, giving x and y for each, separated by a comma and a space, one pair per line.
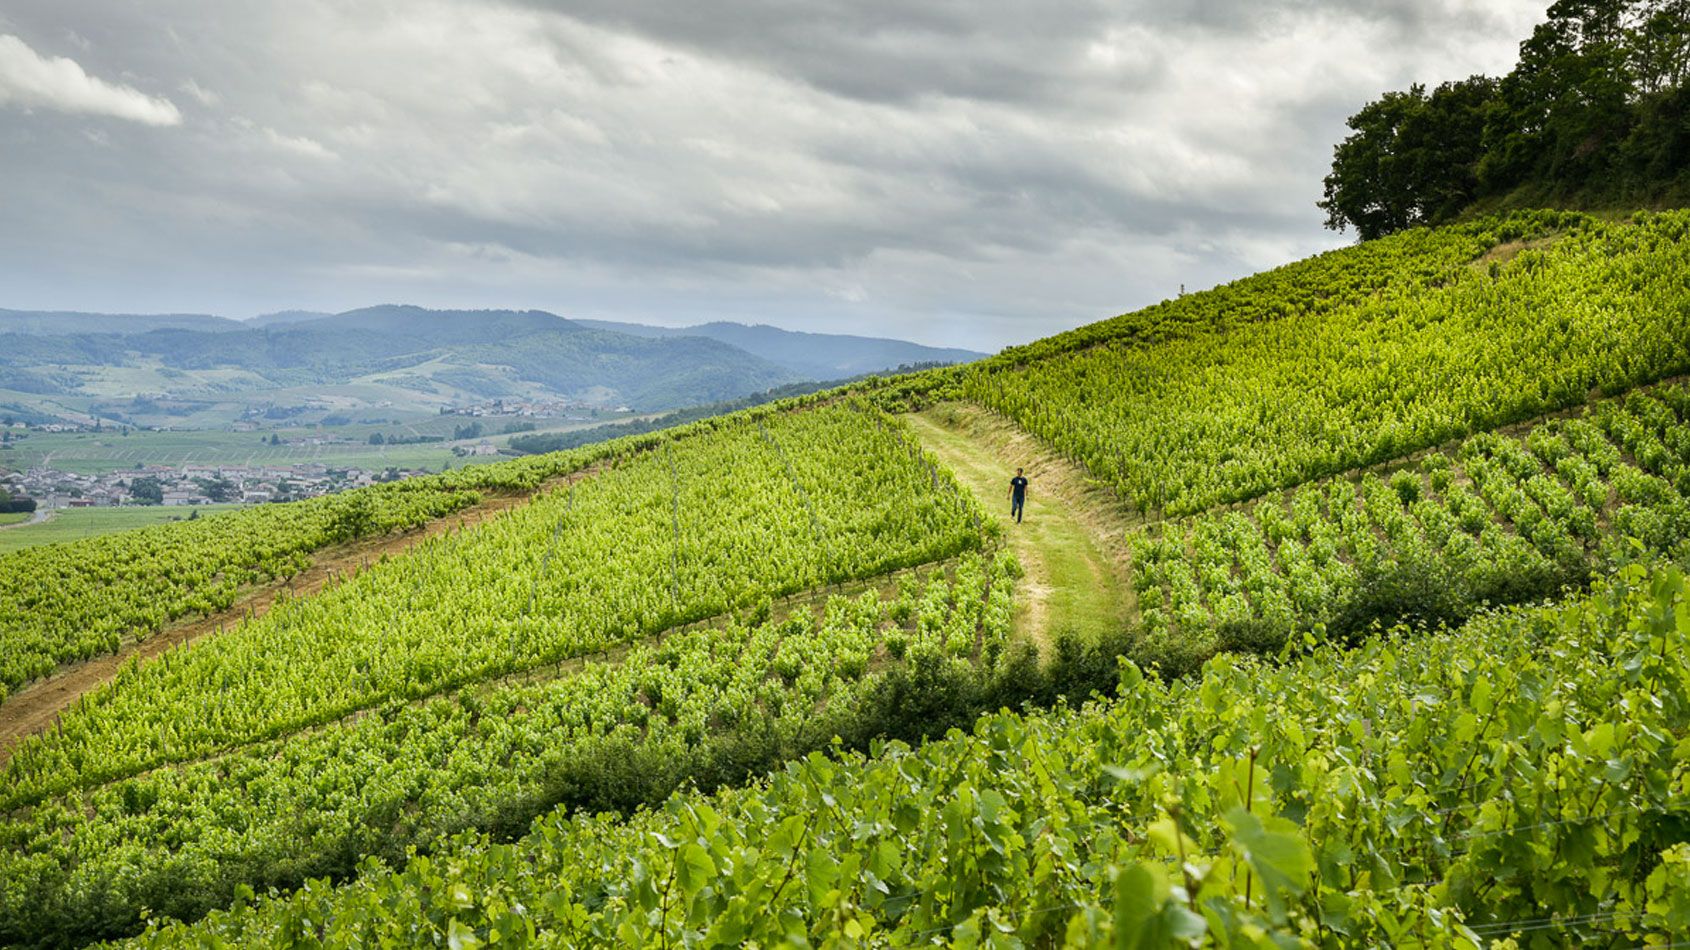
974, 172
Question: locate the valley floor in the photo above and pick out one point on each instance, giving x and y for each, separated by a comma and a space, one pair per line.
53, 525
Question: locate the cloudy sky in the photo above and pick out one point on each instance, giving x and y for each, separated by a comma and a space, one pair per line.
975, 172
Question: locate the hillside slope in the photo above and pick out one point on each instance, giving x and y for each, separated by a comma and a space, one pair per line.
802, 577
61, 322
1355, 357
1518, 778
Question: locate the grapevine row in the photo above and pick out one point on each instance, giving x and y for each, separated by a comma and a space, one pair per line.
641, 549
707, 706
1499, 519
1523, 776
1179, 424
65, 602
71, 601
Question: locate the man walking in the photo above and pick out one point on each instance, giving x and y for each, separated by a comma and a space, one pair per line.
1017, 494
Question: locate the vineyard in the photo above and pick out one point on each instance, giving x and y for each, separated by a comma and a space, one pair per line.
638, 550
1298, 804
1500, 519
1385, 646
1218, 416
706, 706
65, 602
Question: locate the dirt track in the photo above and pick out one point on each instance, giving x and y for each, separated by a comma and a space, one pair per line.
37, 706
38, 516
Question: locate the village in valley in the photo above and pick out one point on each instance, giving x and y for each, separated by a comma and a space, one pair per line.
327, 462
191, 484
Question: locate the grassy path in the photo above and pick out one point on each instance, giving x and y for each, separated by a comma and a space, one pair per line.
1070, 537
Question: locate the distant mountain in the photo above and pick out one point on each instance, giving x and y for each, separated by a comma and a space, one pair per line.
59, 322
284, 316
814, 355
427, 357
159, 369
438, 327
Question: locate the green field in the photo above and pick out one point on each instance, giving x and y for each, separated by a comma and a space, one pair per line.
90, 453
72, 524
1348, 611
87, 453
13, 517
215, 398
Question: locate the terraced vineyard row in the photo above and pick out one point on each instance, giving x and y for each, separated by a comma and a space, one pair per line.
65, 602
710, 705
1521, 777
1501, 519
698, 529
1280, 389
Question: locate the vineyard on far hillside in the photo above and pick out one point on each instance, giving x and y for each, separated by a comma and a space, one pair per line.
1280, 387
1521, 777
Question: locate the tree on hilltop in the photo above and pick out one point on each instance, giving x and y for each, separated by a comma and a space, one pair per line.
1596, 111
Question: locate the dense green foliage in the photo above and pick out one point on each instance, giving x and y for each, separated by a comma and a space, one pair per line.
1524, 776
78, 599
1501, 519
1326, 284
1524, 772
707, 706
1262, 403
701, 528
66, 602
1596, 112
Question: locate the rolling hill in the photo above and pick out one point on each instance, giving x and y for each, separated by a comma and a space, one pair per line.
404, 357
63, 322
1348, 611
813, 355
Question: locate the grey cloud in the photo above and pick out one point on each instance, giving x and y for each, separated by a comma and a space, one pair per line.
887, 50
994, 170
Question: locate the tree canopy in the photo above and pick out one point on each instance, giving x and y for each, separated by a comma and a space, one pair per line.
1595, 111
